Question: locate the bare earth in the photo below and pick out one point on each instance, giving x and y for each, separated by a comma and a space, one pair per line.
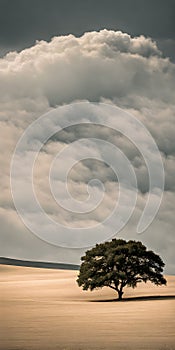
45, 309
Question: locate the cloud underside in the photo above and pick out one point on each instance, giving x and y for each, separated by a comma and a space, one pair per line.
104, 66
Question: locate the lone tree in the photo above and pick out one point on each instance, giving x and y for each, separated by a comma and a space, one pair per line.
117, 264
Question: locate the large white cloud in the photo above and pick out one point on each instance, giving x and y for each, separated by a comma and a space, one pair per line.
105, 64
99, 66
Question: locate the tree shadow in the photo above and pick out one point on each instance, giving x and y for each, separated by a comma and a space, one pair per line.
141, 298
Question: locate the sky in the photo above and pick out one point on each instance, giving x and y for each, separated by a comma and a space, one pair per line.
24, 22
54, 53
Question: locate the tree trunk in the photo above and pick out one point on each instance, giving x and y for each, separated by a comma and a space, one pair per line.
120, 293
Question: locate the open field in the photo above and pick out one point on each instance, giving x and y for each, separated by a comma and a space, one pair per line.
45, 309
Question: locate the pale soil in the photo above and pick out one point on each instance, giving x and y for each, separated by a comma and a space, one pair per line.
45, 309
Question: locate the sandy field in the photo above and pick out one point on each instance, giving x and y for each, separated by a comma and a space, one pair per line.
45, 309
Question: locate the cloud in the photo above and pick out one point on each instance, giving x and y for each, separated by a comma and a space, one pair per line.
103, 66
99, 64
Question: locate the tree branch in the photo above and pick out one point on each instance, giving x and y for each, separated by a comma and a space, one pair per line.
112, 287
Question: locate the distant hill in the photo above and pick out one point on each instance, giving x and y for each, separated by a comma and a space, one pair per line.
38, 264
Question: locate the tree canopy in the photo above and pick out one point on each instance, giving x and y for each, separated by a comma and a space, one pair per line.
117, 264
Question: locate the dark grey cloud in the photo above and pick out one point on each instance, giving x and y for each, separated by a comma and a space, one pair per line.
24, 22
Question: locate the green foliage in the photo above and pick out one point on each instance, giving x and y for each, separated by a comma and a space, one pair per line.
117, 264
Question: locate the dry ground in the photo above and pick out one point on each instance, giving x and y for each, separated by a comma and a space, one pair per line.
45, 309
